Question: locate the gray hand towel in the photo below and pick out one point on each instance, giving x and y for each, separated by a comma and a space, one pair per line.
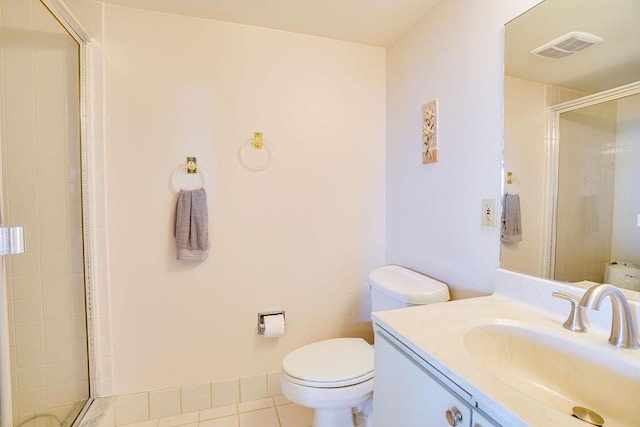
192, 227
511, 231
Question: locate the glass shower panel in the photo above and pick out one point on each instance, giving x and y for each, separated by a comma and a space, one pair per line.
598, 202
41, 184
586, 183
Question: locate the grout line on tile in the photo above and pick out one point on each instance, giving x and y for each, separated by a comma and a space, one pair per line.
149, 406
277, 412
210, 394
255, 405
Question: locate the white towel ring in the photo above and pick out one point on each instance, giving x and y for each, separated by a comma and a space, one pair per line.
256, 154
202, 175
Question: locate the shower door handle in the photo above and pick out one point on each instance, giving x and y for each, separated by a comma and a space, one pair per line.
11, 240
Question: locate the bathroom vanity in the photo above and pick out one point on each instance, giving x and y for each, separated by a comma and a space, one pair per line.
414, 391
501, 360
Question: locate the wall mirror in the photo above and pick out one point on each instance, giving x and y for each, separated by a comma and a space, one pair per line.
572, 141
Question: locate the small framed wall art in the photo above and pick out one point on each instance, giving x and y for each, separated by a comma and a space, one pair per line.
430, 132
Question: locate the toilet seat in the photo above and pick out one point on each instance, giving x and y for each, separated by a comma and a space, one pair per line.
338, 362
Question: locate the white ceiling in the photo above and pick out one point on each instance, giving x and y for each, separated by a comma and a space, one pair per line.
612, 63
372, 22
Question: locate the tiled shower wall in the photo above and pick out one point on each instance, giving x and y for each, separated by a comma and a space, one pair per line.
585, 192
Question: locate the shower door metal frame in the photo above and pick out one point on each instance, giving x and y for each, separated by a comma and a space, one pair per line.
81, 36
64, 16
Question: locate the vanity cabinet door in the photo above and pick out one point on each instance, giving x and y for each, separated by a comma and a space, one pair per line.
480, 421
407, 395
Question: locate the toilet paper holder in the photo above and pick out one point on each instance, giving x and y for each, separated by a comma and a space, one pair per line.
261, 317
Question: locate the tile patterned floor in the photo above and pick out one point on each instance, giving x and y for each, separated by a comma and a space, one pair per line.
270, 412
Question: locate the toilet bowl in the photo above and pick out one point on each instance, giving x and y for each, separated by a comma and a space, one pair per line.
336, 376
331, 376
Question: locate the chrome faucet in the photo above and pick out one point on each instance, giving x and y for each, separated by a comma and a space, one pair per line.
623, 329
576, 320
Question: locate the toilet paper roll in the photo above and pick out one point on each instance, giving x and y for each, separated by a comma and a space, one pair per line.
274, 326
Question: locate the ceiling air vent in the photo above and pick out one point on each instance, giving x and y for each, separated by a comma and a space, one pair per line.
567, 45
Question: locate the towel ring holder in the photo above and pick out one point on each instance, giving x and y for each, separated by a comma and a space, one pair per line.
510, 182
256, 154
185, 169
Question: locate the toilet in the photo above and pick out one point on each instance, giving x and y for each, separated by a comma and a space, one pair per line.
336, 376
623, 274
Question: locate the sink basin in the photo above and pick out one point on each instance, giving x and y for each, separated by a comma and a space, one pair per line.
560, 369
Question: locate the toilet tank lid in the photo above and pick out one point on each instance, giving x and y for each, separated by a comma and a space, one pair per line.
625, 266
408, 286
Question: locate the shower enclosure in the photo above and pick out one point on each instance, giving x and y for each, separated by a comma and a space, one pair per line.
44, 339
596, 202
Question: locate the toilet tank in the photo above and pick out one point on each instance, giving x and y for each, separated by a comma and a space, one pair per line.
394, 287
623, 274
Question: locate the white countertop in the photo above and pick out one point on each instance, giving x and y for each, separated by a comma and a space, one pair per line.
435, 333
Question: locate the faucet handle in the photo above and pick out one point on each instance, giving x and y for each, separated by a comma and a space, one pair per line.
575, 321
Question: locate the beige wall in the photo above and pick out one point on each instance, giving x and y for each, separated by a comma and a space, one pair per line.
455, 54
300, 236
524, 155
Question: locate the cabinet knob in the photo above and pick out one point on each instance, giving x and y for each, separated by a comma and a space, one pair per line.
454, 416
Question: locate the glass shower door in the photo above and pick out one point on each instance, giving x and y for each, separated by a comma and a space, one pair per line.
41, 191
